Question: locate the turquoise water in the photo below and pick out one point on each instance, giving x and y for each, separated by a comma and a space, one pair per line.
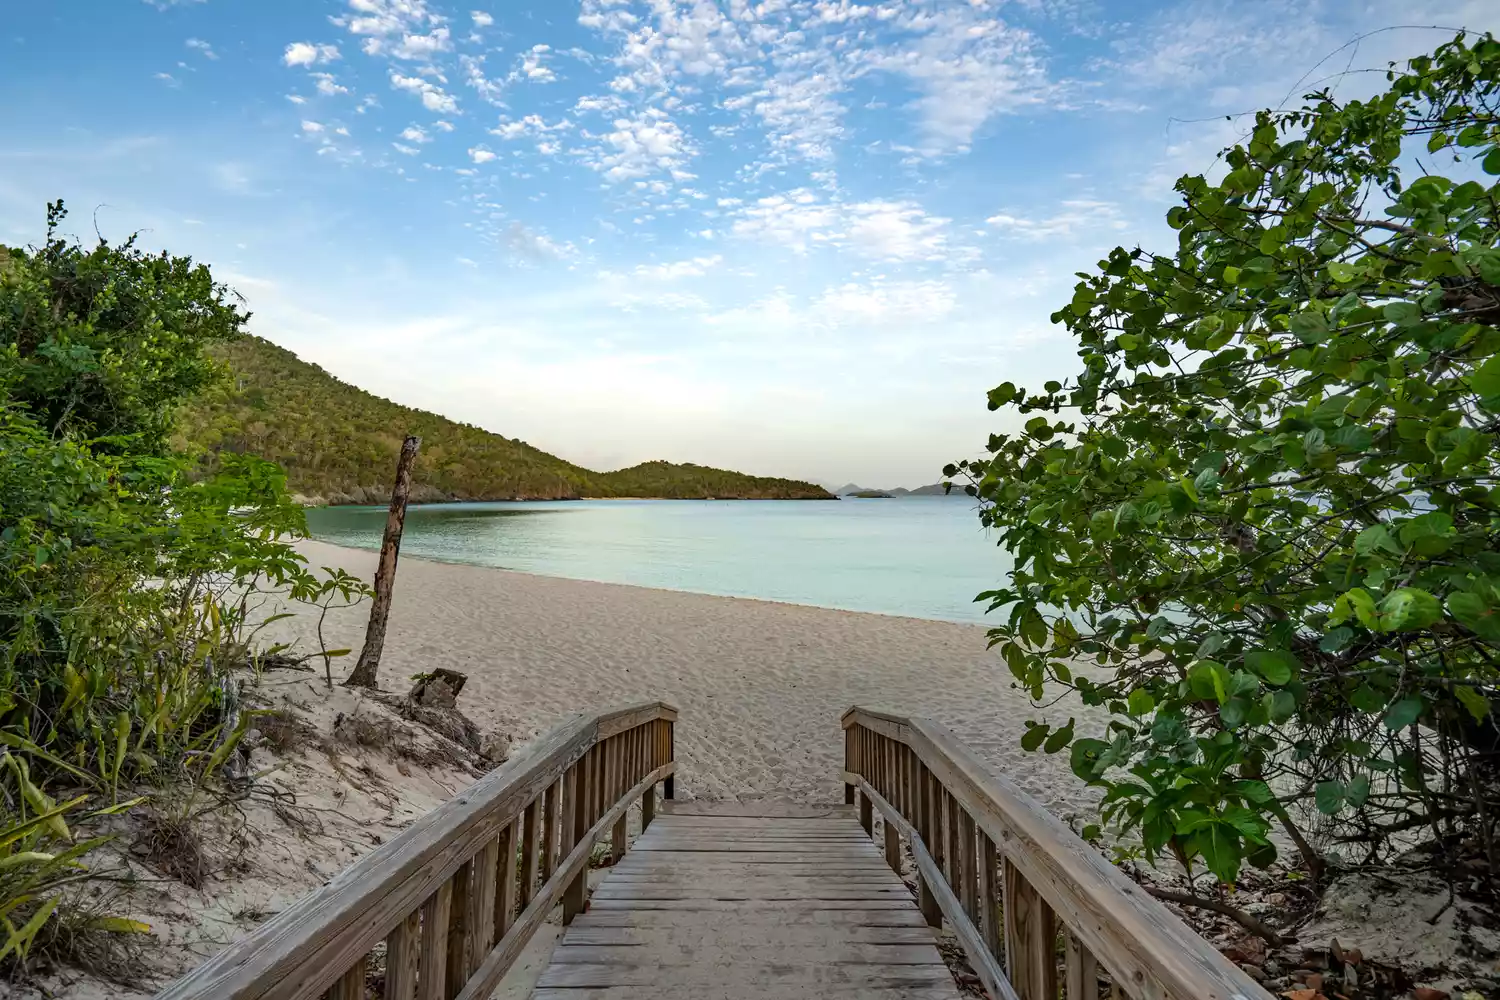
925, 557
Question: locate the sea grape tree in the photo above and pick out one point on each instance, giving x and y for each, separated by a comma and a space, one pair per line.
1268, 504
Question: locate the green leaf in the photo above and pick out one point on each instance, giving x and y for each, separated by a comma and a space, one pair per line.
1477, 704
1475, 614
1367, 700
1341, 272
1282, 706
1234, 712
1329, 796
1208, 679
1358, 790
1375, 538
1403, 713
1275, 666
1085, 757
1059, 738
1491, 162
1033, 737
1002, 394
1408, 609
1232, 275
1140, 702
1219, 846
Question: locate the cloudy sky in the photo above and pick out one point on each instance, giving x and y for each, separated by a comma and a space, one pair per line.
793, 237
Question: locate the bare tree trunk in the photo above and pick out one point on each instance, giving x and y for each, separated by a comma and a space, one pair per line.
364, 674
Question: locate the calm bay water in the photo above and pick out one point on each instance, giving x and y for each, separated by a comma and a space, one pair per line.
925, 557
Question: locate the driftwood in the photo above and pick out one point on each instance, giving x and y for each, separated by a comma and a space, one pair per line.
366, 670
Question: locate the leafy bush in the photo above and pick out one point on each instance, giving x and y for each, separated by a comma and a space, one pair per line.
126, 582
1268, 507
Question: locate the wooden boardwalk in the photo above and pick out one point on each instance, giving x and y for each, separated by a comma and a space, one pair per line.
734, 902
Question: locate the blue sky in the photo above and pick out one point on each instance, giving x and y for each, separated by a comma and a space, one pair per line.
792, 237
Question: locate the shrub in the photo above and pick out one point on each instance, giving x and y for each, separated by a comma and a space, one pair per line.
1268, 505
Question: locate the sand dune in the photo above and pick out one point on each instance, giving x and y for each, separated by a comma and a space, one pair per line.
760, 685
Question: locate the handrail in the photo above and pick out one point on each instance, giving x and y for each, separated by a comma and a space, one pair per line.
443, 895
1004, 872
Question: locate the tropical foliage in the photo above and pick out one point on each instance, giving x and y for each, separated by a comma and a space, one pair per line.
339, 442
1260, 526
125, 583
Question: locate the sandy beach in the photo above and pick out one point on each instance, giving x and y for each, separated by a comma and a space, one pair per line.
760, 685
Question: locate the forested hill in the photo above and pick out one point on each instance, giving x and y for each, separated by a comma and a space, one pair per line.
339, 443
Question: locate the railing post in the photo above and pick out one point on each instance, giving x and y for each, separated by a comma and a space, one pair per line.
850, 764
573, 896
669, 786
926, 809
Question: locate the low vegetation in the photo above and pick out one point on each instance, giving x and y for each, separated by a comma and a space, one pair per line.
126, 579
1268, 506
340, 443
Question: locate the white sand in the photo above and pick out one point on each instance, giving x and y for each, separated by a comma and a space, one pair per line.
760, 685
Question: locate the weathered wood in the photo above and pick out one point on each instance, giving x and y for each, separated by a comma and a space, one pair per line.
569, 870
989, 898
677, 918
432, 958
401, 948
984, 964
299, 953
866, 816
969, 865
648, 808
1030, 938
892, 846
1082, 972
479, 924
1135, 938
365, 673
527, 882
459, 938
351, 986
549, 831
573, 898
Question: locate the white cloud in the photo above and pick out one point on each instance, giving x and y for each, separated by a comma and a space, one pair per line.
697, 267
328, 86
423, 46
481, 155
166, 4
532, 66
415, 133
884, 303
531, 125
1074, 216
801, 220
646, 144
481, 19
444, 126
308, 54
200, 45
312, 127
167, 78
968, 65
434, 98
296, 98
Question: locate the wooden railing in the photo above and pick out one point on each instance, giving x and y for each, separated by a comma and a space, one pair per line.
1035, 908
448, 904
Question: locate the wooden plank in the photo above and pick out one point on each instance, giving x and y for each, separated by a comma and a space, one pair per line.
573, 897
758, 991
753, 920
479, 923
350, 986
969, 865
1082, 971
1030, 938
459, 939
648, 808
831, 951
549, 830
526, 881
892, 847
763, 935
505, 880
297, 954
989, 898
984, 964
432, 957
866, 816
1131, 934
401, 951
482, 984
649, 974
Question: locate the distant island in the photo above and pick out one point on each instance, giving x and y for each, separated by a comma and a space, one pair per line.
935, 490
339, 443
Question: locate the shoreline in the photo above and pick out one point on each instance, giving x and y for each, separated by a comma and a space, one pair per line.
642, 586
761, 685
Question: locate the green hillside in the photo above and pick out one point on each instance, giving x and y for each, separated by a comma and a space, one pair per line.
339, 443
